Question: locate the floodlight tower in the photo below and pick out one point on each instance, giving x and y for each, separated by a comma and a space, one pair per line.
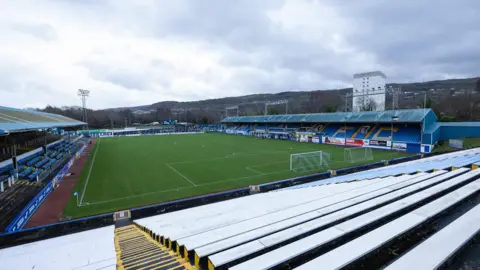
83, 94
231, 108
283, 101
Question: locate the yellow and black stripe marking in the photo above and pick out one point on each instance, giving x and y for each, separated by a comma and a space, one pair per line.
137, 250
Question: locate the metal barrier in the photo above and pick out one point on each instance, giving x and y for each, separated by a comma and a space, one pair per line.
152, 210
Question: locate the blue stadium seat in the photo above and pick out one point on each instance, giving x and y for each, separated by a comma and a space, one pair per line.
42, 162
48, 164
26, 172
350, 130
364, 131
26, 159
33, 175
331, 129
33, 161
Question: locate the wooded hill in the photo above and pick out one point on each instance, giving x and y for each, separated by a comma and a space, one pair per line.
454, 99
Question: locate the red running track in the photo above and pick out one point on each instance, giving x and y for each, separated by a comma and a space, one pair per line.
51, 210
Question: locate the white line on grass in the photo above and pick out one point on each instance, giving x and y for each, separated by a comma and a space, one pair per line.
183, 176
182, 188
268, 164
234, 155
255, 171
89, 172
195, 186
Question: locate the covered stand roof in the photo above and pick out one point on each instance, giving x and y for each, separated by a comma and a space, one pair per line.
17, 120
401, 116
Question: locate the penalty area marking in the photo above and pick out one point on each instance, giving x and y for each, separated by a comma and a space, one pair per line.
183, 176
209, 183
89, 172
194, 185
255, 171
233, 155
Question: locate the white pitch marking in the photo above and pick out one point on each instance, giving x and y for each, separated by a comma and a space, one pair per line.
227, 156
182, 188
89, 172
255, 171
184, 177
267, 164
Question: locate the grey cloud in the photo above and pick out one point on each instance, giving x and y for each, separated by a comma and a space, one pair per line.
41, 30
127, 78
27, 86
416, 38
253, 39
130, 78
408, 40
213, 19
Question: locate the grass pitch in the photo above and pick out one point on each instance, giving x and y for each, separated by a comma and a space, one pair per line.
127, 172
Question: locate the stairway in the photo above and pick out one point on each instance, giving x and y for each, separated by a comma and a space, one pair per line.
138, 250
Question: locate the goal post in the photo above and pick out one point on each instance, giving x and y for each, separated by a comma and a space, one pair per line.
354, 155
311, 161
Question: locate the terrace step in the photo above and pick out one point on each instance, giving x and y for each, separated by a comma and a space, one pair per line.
137, 249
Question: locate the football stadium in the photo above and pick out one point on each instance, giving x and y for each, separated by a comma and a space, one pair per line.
354, 190
242, 135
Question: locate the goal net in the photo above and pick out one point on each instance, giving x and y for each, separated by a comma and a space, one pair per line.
311, 161
353, 155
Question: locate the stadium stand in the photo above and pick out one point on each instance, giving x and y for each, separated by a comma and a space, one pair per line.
17, 120
210, 127
19, 194
14, 199
350, 130
143, 131
319, 224
411, 128
421, 256
400, 129
331, 129
22, 126
260, 128
402, 116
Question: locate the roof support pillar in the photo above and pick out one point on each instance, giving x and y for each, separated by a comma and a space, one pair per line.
44, 147
14, 155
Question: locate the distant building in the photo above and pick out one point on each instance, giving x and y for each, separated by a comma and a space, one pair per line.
369, 91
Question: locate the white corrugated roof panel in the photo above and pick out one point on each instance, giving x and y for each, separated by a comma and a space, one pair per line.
74, 251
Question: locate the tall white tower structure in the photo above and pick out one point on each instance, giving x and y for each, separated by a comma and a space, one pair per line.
369, 91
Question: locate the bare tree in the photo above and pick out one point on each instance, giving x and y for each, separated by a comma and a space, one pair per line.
367, 104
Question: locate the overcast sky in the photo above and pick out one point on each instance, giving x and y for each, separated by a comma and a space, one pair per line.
142, 51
